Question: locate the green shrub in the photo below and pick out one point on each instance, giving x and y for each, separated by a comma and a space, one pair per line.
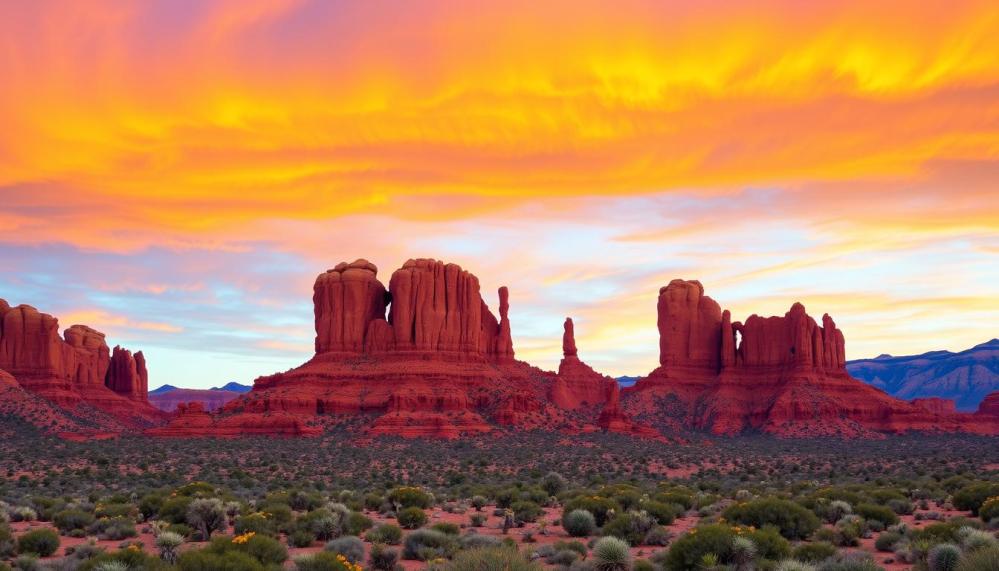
479, 502
972, 497
40, 542
116, 528
150, 504
448, 528
887, 541
409, 496
794, 565
427, 544
386, 533
872, 512
411, 518
383, 558
664, 514
301, 538
203, 560
598, 506
850, 562
770, 544
676, 497
321, 561
280, 515
181, 529
989, 510
124, 559
491, 559
687, 552
611, 554
265, 550
68, 520
981, 560
526, 511
793, 520
630, 527
974, 539
116, 510
356, 523
349, 546
579, 523
196, 490
553, 483
257, 523
6, 539
174, 510
814, 552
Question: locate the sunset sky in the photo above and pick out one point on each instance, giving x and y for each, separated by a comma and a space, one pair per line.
176, 172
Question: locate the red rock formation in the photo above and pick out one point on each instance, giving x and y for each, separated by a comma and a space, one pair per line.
30, 347
212, 400
990, 405
936, 405
577, 384
613, 419
689, 328
7, 380
441, 364
784, 375
89, 358
127, 374
347, 299
16, 402
569, 339
193, 421
70, 372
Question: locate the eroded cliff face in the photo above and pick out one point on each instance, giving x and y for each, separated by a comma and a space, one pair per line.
73, 372
577, 384
127, 375
423, 357
435, 308
936, 405
783, 374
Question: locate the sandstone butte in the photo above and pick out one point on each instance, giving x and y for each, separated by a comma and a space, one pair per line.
72, 384
427, 357
783, 375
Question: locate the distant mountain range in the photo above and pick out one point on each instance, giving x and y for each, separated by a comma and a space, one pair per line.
168, 397
966, 377
234, 387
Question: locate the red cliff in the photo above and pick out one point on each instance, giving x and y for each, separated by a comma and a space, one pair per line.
577, 384
71, 371
127, 374
423, 357
784, 375
990, 405
936, 405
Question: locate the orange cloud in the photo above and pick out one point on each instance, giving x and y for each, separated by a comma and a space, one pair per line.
204, 122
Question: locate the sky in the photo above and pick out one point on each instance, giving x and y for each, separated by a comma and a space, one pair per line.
176, 173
